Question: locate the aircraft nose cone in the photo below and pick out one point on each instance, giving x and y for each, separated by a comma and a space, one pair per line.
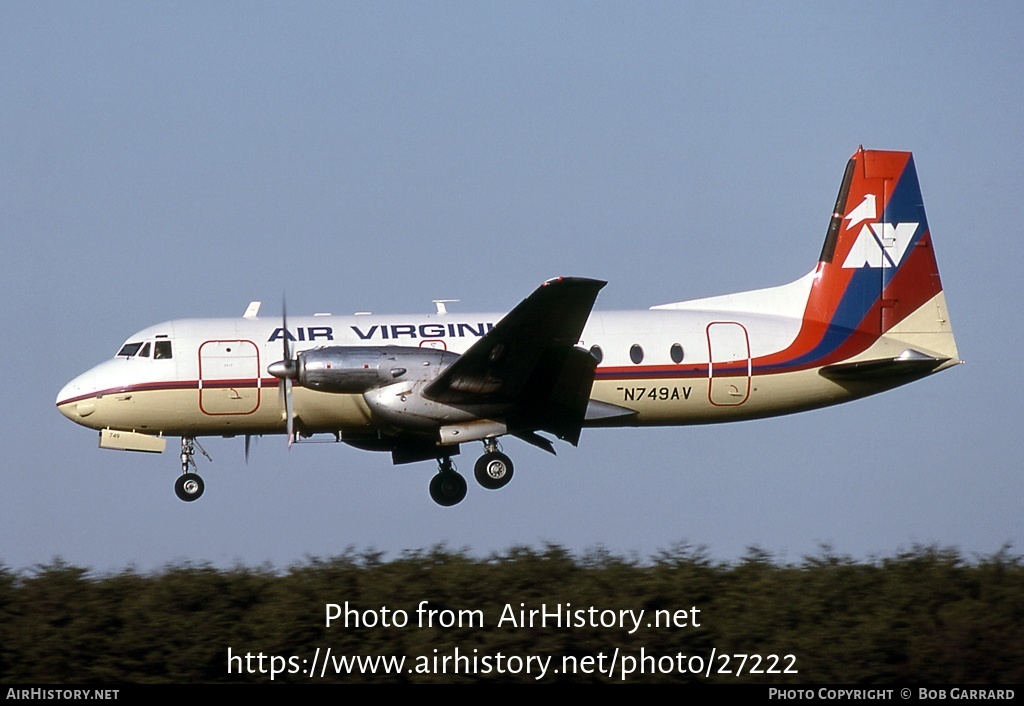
67, 408
67, 392
70, 400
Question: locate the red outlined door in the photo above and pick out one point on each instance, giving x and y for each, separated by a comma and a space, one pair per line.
229, 377
728, 364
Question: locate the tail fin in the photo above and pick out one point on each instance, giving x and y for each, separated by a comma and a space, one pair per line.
874, 305
877, 277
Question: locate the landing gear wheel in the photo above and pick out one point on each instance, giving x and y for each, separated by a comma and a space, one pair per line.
189, 487
493, 470
448, 488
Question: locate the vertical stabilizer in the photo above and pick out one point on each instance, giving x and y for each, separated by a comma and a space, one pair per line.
877, 275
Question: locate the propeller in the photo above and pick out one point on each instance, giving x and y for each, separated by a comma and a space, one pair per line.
286, 371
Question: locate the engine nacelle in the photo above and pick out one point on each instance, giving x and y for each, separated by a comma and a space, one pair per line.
357, 369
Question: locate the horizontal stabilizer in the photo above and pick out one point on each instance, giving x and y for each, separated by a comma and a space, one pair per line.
909, 363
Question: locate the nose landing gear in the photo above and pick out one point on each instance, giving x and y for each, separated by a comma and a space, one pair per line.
190, 485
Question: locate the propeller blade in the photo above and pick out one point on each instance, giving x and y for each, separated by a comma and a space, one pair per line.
248, 440
286, 370
285, 339
289, 415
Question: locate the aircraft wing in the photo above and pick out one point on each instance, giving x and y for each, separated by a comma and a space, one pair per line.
529, 362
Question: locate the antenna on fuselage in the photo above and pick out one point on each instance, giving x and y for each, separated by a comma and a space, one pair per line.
440, 304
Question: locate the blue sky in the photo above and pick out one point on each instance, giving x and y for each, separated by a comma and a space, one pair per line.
175, 160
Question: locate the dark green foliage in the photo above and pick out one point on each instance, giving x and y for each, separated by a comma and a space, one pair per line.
926, 616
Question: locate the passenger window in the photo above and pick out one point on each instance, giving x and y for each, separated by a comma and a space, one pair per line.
162, 350
676, 351
144, 353
636, 354
597, 353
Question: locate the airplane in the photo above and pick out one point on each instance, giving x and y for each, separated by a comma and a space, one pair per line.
869, 317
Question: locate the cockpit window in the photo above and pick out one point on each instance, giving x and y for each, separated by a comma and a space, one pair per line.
162, 349
144, 353
130, 349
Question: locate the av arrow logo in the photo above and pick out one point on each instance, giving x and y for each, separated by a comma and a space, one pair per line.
866, 210
877, 244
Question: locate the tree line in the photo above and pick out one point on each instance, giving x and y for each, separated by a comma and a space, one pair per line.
927, 615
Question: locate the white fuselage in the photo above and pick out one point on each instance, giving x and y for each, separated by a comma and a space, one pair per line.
677, 365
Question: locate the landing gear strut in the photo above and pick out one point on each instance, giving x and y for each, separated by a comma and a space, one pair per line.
189, 485
494, 469
447, 488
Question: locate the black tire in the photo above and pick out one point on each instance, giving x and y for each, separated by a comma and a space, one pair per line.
493, 470
448, 488
189, 487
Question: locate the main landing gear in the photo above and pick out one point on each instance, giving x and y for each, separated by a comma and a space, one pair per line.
447, 488
493, 471
189, 485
